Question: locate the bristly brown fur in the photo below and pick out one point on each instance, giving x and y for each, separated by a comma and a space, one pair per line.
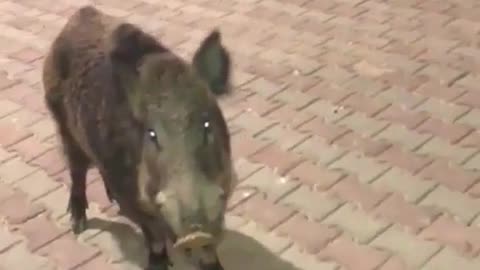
106, 83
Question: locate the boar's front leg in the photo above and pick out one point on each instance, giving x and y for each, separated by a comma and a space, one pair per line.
216, 265
77, 160
158, 258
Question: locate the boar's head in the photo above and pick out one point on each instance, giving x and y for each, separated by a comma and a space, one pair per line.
184, 167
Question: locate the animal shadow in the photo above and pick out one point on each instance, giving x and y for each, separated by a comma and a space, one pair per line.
237, 252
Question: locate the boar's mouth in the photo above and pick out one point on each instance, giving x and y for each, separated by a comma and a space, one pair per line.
194, 240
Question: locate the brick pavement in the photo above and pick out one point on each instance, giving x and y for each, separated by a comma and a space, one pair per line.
355, 132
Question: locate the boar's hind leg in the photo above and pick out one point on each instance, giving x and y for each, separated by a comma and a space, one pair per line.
78, 200
217, 265
78, 165
157, 259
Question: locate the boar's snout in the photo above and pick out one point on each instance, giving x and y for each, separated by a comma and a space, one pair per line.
199, 248
192, 206
195, 240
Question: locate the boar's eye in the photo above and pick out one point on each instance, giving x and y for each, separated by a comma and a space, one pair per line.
206, 131
207, 126
152, 135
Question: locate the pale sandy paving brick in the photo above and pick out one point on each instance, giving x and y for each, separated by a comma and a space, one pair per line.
334, 73
43, 129
233, 222
21, 36
267, 181
412, 250
5, 155
318, 150
473, 163
302, 65
352, 255
442, 148
400, 96
366, 169
327, 111
476, 222
24, 117
8, 239
402, 136
369, 69
304, 261
347, 218
296, 98
472, 118
362, 124
364, 84
292, 9
315, 176
127, 265
20, 258
314, 204
283, 136
99, 262
56, 202
253, 122
452, 233
439, 73
456, 203
14, 7
394, 263
396, 210
36, 184
397, 180
240, 195
469, 81
245, 168
240, 77
7, 107
442, 110
14, 169
264, 87
270, 241
288, 116
448, 259
67, 253
112, 11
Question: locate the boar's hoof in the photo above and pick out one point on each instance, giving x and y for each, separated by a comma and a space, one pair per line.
159, 265
80, 225
158, 261
78, 217
214, 266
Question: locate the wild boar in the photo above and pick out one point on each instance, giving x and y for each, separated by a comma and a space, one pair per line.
150, 122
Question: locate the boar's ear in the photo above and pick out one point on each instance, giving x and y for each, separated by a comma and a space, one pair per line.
128, 46
212, 62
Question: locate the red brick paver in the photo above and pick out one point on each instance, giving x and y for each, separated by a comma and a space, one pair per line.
355, 127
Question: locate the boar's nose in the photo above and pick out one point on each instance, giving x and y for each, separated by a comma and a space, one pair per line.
194, 240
